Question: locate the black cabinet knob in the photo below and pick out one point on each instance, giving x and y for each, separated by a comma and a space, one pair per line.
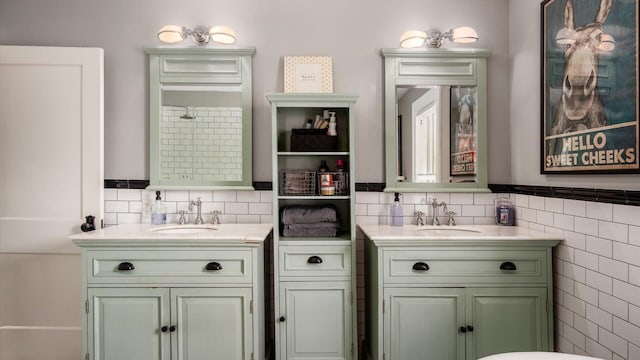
463, 329
164, 328
314, 260
421, 266
126, 266
172, 328
281, 319
213, 266
508, 266
470, 328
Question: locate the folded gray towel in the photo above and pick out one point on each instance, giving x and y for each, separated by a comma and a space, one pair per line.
299, 214
323, 225
310, 232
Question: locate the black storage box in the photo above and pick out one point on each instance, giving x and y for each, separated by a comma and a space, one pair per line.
312, 140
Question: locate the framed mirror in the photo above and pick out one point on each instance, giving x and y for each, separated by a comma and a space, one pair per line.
200, 118
435, 120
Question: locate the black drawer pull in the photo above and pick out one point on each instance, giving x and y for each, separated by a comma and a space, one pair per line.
164, 328
508, 266
421, 266
314, 260
172, 328
213, 266
463, 329
281, 319
126, 266
470, 328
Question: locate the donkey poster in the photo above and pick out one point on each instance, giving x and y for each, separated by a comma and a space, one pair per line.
589, 86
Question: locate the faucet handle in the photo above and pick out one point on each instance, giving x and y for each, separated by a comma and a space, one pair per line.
451, 220
419, 214
182, 219
214, 216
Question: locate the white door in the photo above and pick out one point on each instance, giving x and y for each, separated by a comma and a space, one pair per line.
51, 119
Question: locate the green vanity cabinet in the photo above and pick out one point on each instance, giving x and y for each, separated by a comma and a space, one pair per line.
172, 299
448, 299
314, 277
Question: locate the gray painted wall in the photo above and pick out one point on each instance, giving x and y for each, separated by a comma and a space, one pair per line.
353, 32
524, 111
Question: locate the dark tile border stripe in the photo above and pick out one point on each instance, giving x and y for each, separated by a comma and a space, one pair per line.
621, 197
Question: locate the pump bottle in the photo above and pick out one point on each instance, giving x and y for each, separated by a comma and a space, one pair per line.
396, 211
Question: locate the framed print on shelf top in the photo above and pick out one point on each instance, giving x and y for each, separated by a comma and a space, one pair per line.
589, 87
308, 74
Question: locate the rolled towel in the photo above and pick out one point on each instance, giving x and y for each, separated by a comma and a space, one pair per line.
300, 214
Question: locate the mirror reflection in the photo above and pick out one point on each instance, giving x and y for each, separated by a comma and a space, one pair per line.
436, 133
201, 133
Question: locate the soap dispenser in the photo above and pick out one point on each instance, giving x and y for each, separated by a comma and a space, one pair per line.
158, 211
396, 211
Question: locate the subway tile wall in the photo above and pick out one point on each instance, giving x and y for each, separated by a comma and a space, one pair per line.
596, 267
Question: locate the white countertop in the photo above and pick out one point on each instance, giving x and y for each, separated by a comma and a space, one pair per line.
172, 233
468, 233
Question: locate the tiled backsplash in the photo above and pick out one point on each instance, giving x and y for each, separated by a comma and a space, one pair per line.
596, 268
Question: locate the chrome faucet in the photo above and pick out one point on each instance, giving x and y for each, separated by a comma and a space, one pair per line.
215, 220
435, 205
198, 204
419, 214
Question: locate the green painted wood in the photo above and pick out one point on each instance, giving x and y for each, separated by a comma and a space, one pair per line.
200, 67
211, 324
423, 324
126, 323
317, 322
322, 294
435, 67
507, 320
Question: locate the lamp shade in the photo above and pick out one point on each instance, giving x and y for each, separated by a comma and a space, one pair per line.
606, 43
171, 34
413, 38
565, 36
222, 34
464, 35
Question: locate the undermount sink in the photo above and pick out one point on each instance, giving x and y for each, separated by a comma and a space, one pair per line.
446, 230
185, 229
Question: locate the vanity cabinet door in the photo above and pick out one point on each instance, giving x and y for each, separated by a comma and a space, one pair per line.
127, 324
212, 324
423, 323
507, 320
315, 320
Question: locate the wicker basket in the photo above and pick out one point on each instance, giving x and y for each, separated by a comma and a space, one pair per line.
340, 182
297, 182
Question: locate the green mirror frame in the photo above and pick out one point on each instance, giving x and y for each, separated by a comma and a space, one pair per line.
202, 71
435, 67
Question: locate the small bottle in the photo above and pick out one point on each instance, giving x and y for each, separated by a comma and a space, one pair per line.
323, 166
396, 211
309, 124
158, 211
332, 125
339, 165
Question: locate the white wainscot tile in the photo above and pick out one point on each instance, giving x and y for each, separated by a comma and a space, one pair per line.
128, 218
266, 219
554, 204
248, 219
613, 268
586, 226
627, 253
626, 214
530, 215
634, 235
521, 200
574, 336
361, 209
486, 198
545, 217
248, 196
387, 198
575, 240
135, 206
563, 344
597, 350
224, 196
446, 197
634, 352
175, 195
626, 330
461, 198
484, 220
490, 210
563, 252
585, 326
407, 210
586, 293
599, 211
203, 195
587, 260
575, 207
363, 197
627, 292
414, 198
600, 246
634, 275
129, 194
266, 196
236, 208
600, 317
472, 210
575, 272
599, 281
368, 220
116, 206
564, 283
562, 221
617, 344
536, 202
228, 219
553, 231
536, 227
464, 220
613, 231
110, 219
378, 210
565, 315
111, 194
634, 314
260, 208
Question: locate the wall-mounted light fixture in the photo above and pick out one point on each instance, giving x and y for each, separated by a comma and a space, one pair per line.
173, 34
433, 38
